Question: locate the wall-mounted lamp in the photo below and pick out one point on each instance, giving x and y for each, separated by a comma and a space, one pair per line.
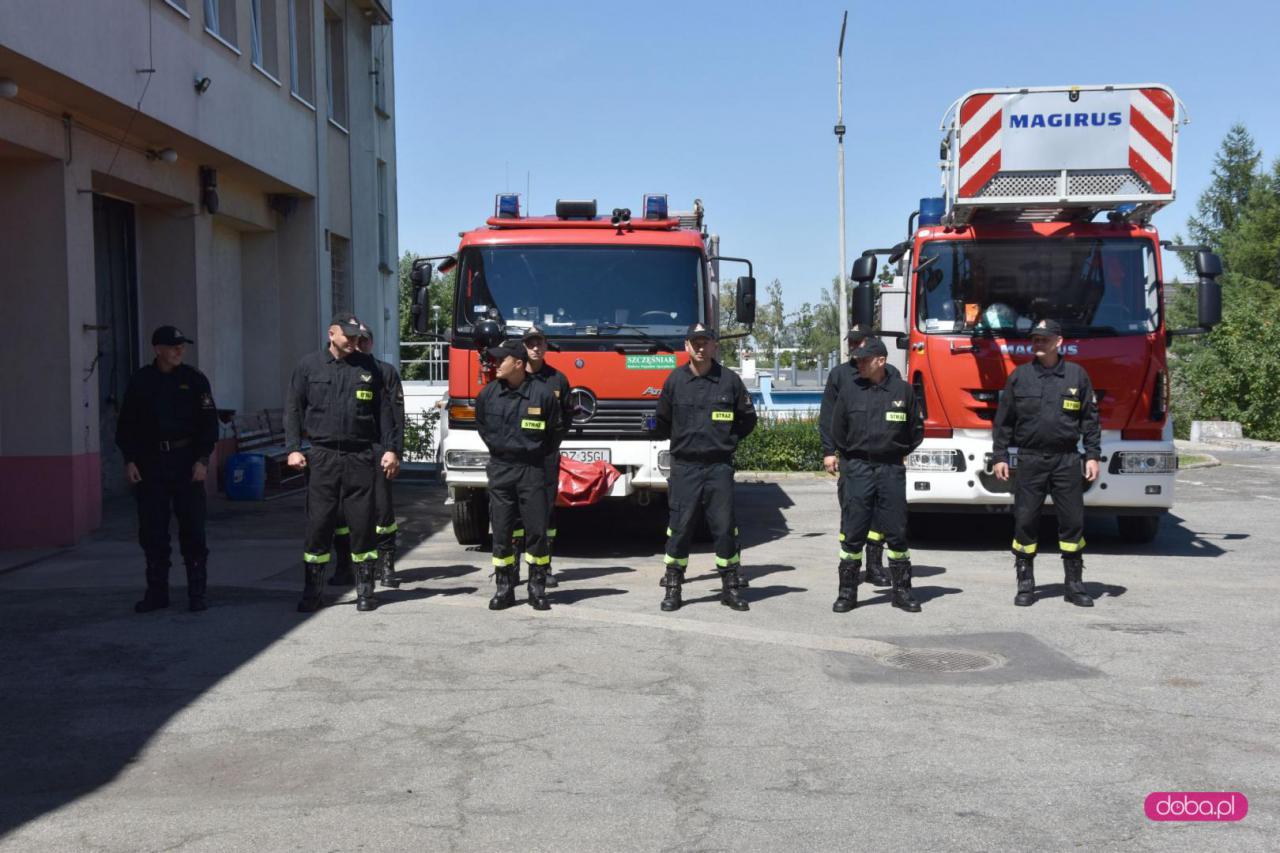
202, 84
166, 155
8, 88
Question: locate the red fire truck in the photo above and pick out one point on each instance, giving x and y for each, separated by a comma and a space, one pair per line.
1047, 200
613, 294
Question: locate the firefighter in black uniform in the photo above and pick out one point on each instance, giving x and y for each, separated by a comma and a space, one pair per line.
337, 396
705, 410
1046, 409
520, 422
384, 509
875, 424
535, 345
166, 431
842, 375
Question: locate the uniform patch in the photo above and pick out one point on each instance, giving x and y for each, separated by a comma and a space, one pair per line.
534, 410
529, 423
1072, 391
557, 393
206, 401
1071, 405
362, 394
365, 377
897, 404
722, 416
895, 416
184, 387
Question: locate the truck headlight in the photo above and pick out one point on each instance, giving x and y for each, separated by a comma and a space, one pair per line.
1143, 462
466, 459
664, 461
946, 459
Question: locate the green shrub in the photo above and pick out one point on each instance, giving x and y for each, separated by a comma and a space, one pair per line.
781, 445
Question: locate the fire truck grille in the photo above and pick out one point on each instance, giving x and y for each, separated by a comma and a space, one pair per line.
1105, 182
1019, 184
616, 417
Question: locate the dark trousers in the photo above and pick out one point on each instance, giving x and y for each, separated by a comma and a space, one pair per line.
1038, 475
551, 477
517, 491
872, 491
340, 484
384, 516
875, 535
166, 488
695, 489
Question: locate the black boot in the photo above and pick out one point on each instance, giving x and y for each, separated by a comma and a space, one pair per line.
365, 599
729, 596
538, 588
157, 594
672, 580
504, 578
847, 597
1024, 567
1073, 568
900, 570
387, 570
550, 578
312, 584
876, 575
197, 582
343, 573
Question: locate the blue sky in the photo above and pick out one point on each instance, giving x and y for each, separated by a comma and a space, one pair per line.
734, 103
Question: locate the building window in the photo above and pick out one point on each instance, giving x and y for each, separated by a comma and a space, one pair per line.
302, 79
380, 71
263, 35
220, 19
336, 68
340, 272
180, 5
384, 220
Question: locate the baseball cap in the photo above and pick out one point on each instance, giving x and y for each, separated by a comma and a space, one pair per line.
348, 322
856, 333
364, 332
1046, 329
871, 347
169, 336
533, 332
500, 352
699, 330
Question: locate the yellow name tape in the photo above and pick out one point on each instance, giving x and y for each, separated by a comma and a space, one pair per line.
895, 416
529, 423
1071, 405
722, 416
364, 395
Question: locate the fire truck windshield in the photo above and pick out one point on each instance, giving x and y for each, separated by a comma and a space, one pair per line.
582, 290
1094, 287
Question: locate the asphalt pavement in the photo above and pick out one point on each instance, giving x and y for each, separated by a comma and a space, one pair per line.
604, 724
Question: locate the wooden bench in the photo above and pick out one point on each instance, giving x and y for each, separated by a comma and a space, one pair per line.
262, 432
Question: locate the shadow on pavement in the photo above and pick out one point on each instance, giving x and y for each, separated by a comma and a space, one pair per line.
569, 596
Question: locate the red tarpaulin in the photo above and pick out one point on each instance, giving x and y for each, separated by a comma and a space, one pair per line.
584, 483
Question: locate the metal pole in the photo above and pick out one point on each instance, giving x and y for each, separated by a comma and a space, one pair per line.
844, 286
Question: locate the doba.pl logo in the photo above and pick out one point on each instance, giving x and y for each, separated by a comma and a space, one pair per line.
1196, 805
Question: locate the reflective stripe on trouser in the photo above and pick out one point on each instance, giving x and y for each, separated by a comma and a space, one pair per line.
517, 493
384, 509
872, 491
1037, 476
707, 489
339, 494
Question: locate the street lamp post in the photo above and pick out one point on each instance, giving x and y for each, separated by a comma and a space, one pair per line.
844, 286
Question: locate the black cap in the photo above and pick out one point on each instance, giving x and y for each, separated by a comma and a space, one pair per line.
1046, 329
871, 347
169, 336
699, 330
533, 332
507, 348
856, 333
364, 332
348, 322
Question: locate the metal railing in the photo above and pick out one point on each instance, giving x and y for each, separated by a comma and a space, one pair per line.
425, 361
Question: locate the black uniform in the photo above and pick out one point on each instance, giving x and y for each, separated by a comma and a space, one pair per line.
840, 376
559, 385
874, 426
705, 417
1044, 412
522, 427
167, 423
343, 407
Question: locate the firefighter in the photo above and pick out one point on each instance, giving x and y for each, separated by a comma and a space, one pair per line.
840, 376
535, 345
520, 423
875, 423
166, 432
384, 511
705, 410
1046, 409
336, 395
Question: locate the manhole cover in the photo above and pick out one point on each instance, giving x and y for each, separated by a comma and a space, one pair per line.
940, 660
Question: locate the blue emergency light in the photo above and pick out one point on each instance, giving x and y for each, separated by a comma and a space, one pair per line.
655, 206
507, 206
932, 210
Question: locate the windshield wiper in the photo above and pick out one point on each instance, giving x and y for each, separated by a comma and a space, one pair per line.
662, 346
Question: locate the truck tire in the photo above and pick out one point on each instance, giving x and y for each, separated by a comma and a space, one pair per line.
1138, 529
471, 519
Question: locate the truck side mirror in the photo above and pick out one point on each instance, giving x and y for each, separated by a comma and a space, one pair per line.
1209, 292
864, 305
421, 273
864, 269
421, 308
1208, 265
745, 305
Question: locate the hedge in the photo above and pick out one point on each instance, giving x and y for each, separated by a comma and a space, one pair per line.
781, 445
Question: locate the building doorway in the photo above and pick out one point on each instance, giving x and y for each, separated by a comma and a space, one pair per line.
116, 271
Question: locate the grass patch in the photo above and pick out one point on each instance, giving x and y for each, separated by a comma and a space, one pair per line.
1186, 460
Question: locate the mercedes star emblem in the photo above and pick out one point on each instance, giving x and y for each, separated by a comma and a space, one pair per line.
582, 405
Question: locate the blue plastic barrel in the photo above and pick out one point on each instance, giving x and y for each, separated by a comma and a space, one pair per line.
246, 477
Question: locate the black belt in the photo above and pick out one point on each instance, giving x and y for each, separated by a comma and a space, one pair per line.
176, 444
344, 446
881, 458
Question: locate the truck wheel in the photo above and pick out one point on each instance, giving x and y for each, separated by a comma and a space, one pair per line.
471, 519
1139, 529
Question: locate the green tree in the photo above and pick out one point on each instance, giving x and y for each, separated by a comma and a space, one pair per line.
1235, 172
440, 306
769, 322
1252, 244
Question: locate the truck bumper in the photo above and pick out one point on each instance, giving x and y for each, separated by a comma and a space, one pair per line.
637, 462
976, 489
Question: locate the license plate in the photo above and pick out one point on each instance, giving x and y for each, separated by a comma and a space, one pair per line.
586, 455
